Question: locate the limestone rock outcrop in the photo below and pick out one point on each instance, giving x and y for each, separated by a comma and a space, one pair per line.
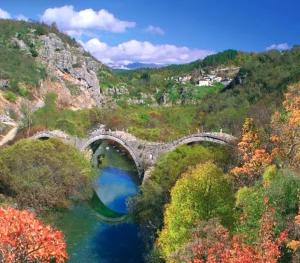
72, 60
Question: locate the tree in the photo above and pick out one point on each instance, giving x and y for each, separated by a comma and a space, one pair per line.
24, 238
148, 206
27, 118
212, 243
254, 157
286, 126
294, 243
278, 189
47, 115
202, 193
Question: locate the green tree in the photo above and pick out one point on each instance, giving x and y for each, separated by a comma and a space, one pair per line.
27, 118
155, 192
279, 190
203, 193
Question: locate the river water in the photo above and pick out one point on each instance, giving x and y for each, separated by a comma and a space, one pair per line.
90, 239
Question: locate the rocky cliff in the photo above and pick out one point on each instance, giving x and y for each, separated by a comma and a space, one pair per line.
57, 64
71, 62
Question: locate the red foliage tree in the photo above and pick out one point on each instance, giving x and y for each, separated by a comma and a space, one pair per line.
212, 243
286, 127
24, 238
254, 157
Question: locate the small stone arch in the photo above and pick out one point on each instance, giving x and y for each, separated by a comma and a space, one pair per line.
137, 161
219, 138
43, 136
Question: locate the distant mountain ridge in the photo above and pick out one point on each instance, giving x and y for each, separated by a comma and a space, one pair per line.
139, 65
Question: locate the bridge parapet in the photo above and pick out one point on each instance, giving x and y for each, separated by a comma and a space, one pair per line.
144, 153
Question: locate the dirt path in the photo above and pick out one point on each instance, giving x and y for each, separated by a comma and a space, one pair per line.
10, 135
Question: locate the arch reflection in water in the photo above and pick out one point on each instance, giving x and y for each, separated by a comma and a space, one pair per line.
89, 238
114, 187
118, 178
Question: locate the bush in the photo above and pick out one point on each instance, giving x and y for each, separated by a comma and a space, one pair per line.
10, 96
23, 91
44, 174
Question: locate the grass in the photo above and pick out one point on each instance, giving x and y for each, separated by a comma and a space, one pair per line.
201, 92
19, 67
153, 123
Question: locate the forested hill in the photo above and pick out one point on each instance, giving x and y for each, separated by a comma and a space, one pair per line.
55, 75
225, 58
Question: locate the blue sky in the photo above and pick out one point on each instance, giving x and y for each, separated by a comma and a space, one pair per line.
166, 31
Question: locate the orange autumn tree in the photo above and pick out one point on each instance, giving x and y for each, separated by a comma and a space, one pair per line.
294, 244
212, 243
24, 238
286, 126
254, 157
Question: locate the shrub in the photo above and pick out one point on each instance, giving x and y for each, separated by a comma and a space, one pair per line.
23, 91
10, 96
44, 174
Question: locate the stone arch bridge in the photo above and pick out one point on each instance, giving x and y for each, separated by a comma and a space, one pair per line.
143, 153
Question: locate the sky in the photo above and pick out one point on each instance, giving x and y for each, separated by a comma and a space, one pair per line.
119, 32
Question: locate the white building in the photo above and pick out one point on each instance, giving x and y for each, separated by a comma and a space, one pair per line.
204, 82
218, 79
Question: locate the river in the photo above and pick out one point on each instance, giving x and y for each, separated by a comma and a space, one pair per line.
90, 238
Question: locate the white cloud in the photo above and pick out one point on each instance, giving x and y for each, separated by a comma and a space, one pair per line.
4, 14
76, 22
155, 30
109, 193
21, 18
145, 52
281, 46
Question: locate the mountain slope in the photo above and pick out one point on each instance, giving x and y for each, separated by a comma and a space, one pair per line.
36, 59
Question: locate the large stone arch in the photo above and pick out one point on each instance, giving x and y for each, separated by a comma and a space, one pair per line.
101, 137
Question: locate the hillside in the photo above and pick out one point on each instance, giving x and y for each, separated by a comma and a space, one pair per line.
36, 59
159, 104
